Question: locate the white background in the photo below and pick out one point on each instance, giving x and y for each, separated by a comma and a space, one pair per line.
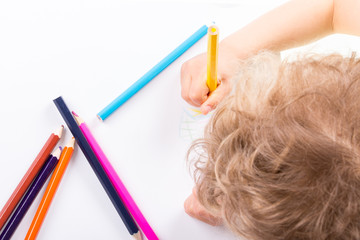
89, 52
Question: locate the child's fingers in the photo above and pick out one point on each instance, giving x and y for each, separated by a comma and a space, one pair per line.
193, 80
214, 98
198, 91
193, 85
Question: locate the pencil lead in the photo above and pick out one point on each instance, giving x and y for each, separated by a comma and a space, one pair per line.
74, 113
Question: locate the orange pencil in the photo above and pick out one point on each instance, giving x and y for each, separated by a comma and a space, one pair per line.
50, 190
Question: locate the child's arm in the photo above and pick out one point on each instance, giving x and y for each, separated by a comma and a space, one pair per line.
293, 24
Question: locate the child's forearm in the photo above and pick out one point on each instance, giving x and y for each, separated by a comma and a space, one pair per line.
346, 17
293, 24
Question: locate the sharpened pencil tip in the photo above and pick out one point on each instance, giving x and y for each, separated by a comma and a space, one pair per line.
59, 131
57, 152
71, 143
137, 236
99, 117
78, 119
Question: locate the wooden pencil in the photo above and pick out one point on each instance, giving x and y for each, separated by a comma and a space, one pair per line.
29, 176
212, 57
152, 73
97, 168
115, 180
50, 190
30, 195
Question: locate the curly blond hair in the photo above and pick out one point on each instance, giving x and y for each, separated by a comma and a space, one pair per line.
280, 158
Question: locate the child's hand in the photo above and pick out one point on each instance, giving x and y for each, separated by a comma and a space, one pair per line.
196, 210
193, 79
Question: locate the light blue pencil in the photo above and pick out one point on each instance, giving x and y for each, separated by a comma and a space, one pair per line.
147, 77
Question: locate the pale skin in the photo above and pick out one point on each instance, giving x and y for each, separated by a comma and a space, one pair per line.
293, 24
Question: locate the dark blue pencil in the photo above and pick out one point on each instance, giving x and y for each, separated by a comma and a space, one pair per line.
97, 168
30, 195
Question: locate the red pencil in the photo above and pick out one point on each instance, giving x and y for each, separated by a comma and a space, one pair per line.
29, 176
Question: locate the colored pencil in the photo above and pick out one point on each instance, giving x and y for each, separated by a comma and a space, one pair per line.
30, 195
50, 190
212, 57
97, 168
115, 180
29, 176
148, 76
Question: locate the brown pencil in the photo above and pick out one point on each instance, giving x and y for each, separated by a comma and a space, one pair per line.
29, 176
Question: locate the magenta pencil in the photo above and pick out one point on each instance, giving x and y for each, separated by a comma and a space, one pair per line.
115, 180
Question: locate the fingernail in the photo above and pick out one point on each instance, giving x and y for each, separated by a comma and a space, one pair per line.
205, 110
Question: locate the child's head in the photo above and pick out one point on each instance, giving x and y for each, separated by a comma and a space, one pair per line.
280, 158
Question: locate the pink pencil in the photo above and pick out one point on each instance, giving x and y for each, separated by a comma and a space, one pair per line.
115, 180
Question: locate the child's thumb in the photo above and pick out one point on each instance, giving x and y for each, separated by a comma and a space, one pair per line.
213, 100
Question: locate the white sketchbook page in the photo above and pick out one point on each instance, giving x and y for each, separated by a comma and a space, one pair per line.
89, 52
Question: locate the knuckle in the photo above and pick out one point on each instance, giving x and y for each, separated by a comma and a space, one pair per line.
184, 67
214, 103
194, 96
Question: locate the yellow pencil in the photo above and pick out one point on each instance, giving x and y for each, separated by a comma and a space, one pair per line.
212, 57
